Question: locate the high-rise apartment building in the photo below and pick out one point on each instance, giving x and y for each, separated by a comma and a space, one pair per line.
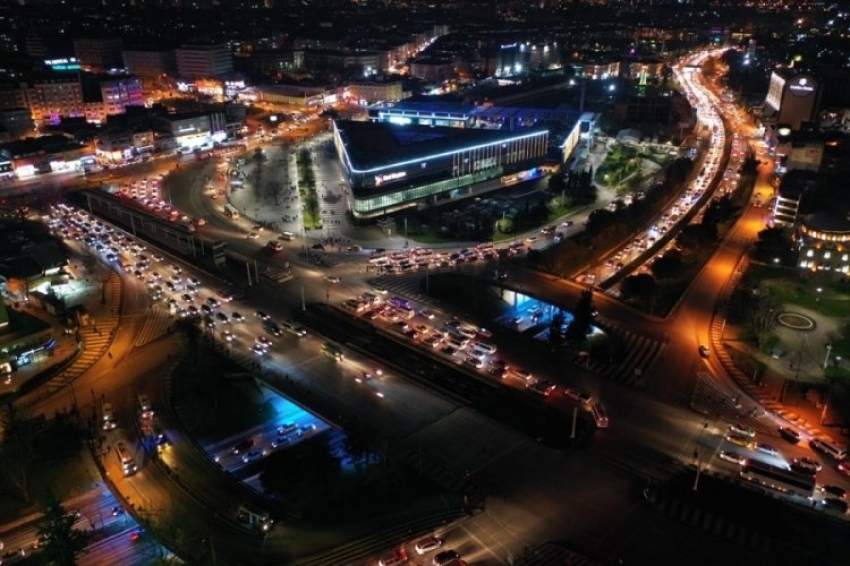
203, 61
99, 54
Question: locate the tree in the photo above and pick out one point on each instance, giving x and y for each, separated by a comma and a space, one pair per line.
555, 337
62, 542
641, 287
583, 316
667, 265
761, 312
17, 450
773, 243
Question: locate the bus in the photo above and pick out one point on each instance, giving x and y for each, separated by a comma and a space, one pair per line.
254, 518
128, 463
779, 479
333, 351
230, 211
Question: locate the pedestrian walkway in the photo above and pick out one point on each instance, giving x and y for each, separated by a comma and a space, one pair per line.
158, 322
551, 554
634, 368
420, 463
95, 339
679, 509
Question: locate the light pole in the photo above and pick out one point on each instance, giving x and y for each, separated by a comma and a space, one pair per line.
826, 359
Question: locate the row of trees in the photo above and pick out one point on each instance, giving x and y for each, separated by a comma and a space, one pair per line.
307, 190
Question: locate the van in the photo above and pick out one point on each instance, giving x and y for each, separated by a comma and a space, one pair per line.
599, 415
829, 448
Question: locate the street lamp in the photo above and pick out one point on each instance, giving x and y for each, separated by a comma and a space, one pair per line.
826, 359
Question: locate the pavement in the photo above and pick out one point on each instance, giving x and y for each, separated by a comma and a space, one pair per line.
779, 389
66, 363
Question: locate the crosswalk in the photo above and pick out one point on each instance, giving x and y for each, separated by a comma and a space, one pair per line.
420, 463
679, 509
551, 554
95, 340
158, 322
632, 368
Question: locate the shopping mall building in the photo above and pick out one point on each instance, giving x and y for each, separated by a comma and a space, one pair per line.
417, 155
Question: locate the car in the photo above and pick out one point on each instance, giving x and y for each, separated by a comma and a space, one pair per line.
767, 449
262, 315
448, 351
806, 465
741, 440
258, 349
425, 313
542, 386
789, 434
257, 228
307, 429
280, 441
396, 558
253, 456
732, 457
187, 297
742, 430
263, 341
837, 505
522, 373
834, 491
499, 372
177, 270
401, 326
577, 395
109, 422
473, 362
237, 317
428, 544
227, 336
194, 281
136, 534
380, 290
213, 302
221, 317
243, 446
206, 309
332, 278
252, 235
704, 351
286, 428
844, 468
446, 557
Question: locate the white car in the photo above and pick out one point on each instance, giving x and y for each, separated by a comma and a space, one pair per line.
332, 278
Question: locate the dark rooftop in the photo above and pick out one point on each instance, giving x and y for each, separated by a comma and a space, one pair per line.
376, 144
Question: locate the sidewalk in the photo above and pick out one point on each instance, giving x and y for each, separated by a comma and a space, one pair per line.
779, 389
82, 290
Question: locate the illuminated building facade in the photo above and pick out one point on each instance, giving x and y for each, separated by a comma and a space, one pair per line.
390, 167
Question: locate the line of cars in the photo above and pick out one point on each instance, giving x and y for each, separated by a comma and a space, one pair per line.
405, 261
447, 557
460, 342
744, 437
249, 450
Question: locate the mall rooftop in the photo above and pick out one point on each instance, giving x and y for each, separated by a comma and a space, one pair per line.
371, 145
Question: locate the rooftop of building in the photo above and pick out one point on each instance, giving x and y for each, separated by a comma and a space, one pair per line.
830, 220
372, 145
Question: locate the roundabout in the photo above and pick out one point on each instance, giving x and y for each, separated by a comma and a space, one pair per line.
796, 321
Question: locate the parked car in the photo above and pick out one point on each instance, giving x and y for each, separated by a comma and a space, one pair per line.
789, 434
